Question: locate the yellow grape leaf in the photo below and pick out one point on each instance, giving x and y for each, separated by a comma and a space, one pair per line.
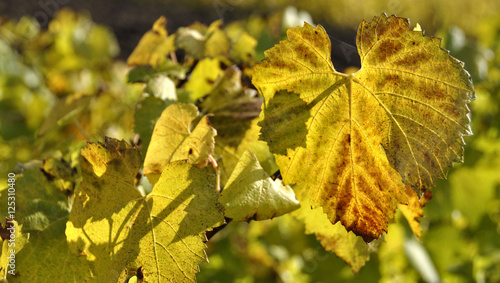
175, 139
356, 140
414, 209
333, 237
153, 47
250, 194
120, 230
203, 78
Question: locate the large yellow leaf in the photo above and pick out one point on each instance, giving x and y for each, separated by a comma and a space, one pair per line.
120, 230
356, 140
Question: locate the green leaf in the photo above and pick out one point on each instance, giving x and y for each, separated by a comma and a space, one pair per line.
42, 211
250, 194
47, 258
147, 112
120, 230
175, 139
167, 68
38, 202
65, 111
399, 120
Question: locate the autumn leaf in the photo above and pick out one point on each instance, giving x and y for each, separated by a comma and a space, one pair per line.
250, 194
356, 140
175, 139
203, 78
413, 211
42, 253
117, 228
333, 237
153, 47
201, 41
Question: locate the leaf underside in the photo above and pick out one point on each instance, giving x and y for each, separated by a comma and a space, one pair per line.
356, 140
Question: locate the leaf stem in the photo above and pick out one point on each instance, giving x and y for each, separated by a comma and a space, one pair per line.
217, 172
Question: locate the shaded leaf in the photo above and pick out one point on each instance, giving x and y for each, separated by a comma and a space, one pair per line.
250, 194
38, 201
120, 230
229, 99
61, 173
47, 258
42, 210
153, 47
64, 111
201, 41
175, 139
167, 68
147, 112
399, 120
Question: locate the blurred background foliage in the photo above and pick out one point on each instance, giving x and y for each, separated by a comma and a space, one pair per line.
65, 81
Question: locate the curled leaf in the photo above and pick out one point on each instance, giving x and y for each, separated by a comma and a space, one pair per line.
250, 194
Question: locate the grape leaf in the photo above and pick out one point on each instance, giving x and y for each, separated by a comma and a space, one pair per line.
38, 202
162, 87
250, 194
120, 230
47, 258
153, 47
42, 210
203, 78
201, 41
244, 44
147, 112
333, 237
174, 139
414, 210
399, 120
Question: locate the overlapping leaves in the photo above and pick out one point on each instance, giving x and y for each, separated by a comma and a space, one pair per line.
399, 120
121, 230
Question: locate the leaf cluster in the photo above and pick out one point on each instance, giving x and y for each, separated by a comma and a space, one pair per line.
358, 151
